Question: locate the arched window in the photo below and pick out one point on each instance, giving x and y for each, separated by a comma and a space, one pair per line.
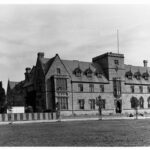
148, 102
134, 102
141, 102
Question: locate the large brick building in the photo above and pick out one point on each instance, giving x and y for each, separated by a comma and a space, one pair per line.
76, 85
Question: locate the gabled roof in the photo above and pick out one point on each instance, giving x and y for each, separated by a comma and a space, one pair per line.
46, 63
135, 70
71, 65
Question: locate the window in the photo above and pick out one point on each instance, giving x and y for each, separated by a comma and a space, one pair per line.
78, 74
141, 89
80, 87
103, 103
77, 71
88, 72
81, 103
91, 87
148, 102
92, 104
141, 102
61, 84
63, 103
116, 62
146, 75
129, 75
58, 71
132, 88
137, 75
148, 89
134, 102
102, 88
117, 87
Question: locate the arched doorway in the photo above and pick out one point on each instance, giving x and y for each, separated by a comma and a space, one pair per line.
118, 106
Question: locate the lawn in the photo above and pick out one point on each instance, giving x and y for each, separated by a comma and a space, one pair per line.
79, 133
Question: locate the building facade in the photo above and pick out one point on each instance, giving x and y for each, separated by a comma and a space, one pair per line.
76, 85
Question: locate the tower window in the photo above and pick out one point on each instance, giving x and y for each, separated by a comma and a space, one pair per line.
116, 62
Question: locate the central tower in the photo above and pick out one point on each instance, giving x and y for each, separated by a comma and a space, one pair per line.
113, 68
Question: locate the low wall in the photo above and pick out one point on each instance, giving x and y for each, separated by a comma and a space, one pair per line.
27, 116
87, 112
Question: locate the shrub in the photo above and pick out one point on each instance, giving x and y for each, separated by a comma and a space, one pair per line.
130, 115
29, 109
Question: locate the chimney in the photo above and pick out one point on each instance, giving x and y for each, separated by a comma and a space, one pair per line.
27, 73
40, 55
145, 63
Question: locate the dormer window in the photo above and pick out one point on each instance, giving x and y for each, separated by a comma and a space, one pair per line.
129, 75
146, 75
77, 72
137, 75
88, 72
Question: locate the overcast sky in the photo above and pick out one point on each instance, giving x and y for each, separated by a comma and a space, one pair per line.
73, 31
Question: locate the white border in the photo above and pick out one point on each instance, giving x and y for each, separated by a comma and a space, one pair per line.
74, 2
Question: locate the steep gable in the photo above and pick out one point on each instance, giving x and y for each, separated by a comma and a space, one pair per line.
55, 63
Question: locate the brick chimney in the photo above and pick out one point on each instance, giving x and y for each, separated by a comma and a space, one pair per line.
145, 63
27, 73
40, 55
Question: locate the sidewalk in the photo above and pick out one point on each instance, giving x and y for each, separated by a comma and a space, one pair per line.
75, 119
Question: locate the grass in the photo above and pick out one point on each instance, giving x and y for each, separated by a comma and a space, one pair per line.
79, 133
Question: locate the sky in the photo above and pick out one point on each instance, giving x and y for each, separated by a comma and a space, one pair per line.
75, 32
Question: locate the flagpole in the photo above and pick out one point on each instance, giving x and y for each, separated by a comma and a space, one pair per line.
118, 40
